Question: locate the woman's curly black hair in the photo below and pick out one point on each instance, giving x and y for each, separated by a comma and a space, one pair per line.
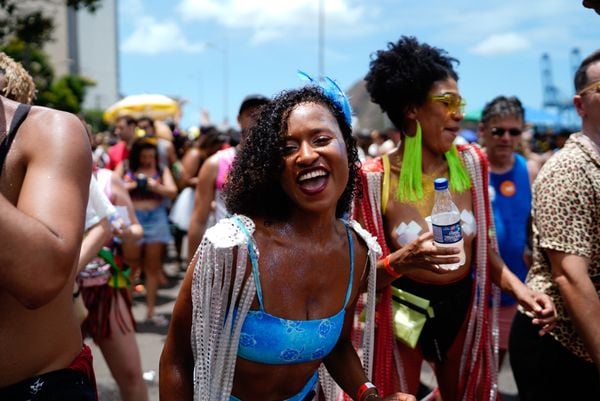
402, 76
253, 185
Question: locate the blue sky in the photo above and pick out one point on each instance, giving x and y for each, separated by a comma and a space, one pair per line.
194, 49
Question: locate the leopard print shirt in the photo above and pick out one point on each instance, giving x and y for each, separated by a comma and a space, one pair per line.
566, 218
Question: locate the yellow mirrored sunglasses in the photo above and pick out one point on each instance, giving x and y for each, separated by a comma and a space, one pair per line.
453, 102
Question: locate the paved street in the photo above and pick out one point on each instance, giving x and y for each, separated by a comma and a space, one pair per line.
151, 339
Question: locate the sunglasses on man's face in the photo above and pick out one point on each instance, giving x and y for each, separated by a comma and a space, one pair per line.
594, 87
499, 131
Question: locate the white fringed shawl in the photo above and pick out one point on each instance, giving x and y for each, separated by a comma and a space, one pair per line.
215, 330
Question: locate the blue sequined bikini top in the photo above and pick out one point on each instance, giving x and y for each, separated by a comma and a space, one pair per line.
273, 340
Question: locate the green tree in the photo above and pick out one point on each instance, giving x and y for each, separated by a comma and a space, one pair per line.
63, 93
67, 93
24, 30
22, 19
35, 61
95, 119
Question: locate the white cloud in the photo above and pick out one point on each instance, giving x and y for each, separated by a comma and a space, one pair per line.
500, 44
273, 19
471, 22
152, 37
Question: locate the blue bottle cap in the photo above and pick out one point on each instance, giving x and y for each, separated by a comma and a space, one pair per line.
440, 184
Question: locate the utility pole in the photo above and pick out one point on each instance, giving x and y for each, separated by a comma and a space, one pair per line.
321, 56
225, 85
222, 48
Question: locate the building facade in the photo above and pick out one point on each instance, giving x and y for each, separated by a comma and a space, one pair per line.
86, 43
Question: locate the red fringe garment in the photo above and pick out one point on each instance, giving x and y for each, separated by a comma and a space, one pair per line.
98, 300
479, 360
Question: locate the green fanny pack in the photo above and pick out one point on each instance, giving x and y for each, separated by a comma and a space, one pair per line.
409, 314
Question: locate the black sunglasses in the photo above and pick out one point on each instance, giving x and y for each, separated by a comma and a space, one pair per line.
499, 131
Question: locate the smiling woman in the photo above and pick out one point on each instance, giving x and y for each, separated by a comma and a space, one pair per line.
290, 266
271, 143
314, 151
416, 85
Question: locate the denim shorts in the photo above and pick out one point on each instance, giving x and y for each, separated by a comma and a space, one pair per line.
156, 225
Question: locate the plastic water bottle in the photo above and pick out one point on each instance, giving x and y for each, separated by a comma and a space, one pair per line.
445, 222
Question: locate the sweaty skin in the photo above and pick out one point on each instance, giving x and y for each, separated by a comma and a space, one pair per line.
44, 190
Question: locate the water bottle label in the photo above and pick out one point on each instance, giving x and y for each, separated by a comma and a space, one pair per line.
447, 234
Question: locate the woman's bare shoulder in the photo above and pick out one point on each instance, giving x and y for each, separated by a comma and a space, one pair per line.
369, 240
230, 232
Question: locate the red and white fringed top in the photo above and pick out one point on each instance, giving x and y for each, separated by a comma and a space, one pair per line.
478, 366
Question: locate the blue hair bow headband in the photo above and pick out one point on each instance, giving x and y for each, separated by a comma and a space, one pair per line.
332, 90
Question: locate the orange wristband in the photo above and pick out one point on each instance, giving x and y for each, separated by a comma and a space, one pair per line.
363, 388
389, 269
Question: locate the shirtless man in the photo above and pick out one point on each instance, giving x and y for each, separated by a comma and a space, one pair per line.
44, 180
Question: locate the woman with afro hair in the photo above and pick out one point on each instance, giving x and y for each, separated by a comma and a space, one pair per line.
416, 86
266, 309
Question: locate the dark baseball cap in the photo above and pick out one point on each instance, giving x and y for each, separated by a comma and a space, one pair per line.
252, 101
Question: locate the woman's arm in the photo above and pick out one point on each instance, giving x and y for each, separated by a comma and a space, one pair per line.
191, 164
129, 183
534, 302
120, 169
97, 226
419, 254
343, 362
94, 239
176, 361
134, 231
205, 194
165, 188
344, 366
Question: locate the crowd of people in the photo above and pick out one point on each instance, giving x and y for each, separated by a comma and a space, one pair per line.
307, 248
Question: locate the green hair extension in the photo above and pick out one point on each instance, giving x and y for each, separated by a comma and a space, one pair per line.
459, 177
410, 184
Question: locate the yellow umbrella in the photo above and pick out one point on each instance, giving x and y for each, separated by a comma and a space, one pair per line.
157, 107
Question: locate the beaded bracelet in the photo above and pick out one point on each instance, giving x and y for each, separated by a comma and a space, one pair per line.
389, 269
363, 388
